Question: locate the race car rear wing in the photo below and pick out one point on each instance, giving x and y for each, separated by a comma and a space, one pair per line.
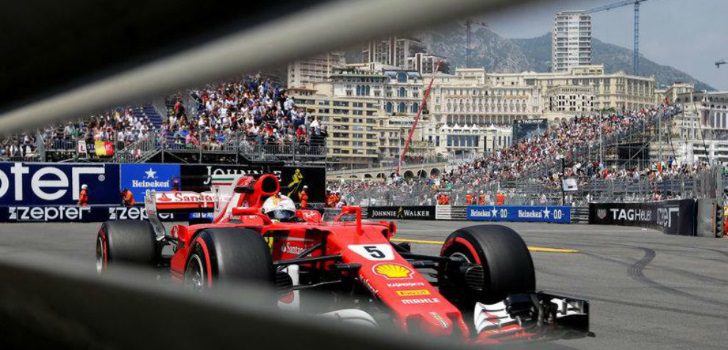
179, 201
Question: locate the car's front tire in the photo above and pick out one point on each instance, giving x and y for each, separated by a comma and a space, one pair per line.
497, 262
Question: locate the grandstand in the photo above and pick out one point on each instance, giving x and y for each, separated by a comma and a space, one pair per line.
245, 120
585, 148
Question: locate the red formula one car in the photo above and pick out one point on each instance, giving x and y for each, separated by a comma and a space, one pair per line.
480, 288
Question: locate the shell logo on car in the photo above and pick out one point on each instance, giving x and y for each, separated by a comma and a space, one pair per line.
393, 271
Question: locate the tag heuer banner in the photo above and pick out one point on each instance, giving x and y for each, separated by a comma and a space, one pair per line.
676, 217
197, 178
402, 212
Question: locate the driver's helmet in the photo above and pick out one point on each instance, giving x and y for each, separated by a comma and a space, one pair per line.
279, 207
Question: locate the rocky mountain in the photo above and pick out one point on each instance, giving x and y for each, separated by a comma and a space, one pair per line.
498, 54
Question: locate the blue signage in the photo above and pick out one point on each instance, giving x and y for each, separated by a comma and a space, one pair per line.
74, 213
553, 214
139, 178
57, 184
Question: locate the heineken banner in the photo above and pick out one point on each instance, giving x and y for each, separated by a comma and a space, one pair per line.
519, 213
676, 217
196, 177
402, 212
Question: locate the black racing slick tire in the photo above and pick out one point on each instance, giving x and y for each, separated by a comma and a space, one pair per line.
228, 255
496, 263
126, 241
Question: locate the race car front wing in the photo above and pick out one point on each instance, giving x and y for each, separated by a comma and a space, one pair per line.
532, 316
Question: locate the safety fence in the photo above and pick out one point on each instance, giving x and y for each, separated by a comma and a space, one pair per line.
253, 148
704, 183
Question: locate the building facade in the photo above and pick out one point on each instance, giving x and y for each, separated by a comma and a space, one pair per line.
571, 41
314, 70
393, 51
700, 133
468, 112
569, 99
352, 140
616, 91
371, 107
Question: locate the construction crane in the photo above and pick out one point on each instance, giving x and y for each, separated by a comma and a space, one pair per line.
636, 3
423, 105
719, 62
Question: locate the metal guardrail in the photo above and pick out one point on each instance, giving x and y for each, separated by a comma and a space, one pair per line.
144, 149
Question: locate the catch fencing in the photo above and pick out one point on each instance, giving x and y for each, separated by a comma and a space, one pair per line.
707, 183
235, 145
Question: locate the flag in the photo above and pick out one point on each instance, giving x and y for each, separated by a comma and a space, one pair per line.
104, 148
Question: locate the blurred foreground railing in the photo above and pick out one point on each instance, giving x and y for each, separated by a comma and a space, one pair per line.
61, 304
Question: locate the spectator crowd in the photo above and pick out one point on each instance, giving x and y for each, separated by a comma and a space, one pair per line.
536, 165
250, 111
242, 113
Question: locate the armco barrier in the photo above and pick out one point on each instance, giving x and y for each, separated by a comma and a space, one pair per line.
518, 213
401, 212
72, 213
677, 217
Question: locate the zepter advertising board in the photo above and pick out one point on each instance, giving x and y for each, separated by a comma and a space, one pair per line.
36, 184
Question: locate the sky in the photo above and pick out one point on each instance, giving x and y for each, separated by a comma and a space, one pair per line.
689, 35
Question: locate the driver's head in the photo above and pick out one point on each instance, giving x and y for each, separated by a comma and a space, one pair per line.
279, 207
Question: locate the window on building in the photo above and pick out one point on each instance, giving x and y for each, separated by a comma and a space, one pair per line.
415, 107
388, 107
402, 77
402, 108
402, 92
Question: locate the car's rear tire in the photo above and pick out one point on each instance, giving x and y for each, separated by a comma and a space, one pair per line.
126, 241
228, 254
507, 267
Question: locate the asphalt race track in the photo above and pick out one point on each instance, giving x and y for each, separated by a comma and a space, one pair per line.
647, 290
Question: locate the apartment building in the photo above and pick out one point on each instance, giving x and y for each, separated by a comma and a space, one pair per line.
317, 69
571, 44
